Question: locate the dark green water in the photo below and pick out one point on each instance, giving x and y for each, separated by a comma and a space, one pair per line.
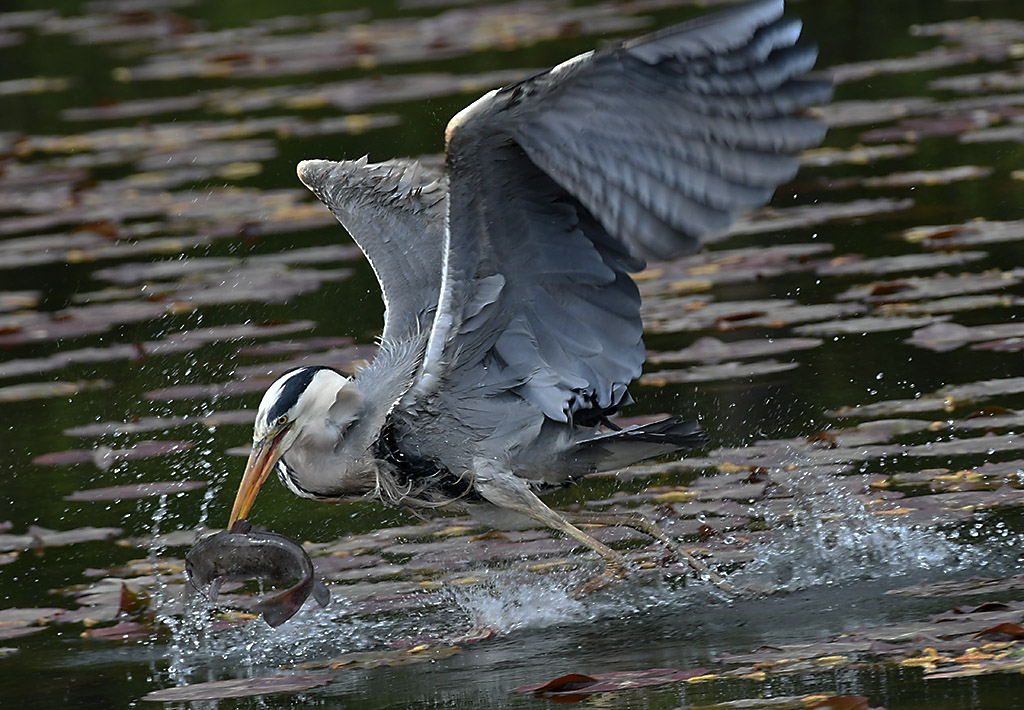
57, 668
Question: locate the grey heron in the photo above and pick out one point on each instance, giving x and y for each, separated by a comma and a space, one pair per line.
512, 326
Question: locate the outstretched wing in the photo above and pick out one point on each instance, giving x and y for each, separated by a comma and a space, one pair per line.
561, 184
395, 212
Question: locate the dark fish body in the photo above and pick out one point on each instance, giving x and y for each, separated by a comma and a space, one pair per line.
239, 554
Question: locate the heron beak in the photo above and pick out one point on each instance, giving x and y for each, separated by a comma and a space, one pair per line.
264, 456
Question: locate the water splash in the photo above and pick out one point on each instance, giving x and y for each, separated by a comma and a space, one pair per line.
503, 603
827, 537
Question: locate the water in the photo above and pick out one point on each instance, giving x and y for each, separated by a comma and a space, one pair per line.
204, 186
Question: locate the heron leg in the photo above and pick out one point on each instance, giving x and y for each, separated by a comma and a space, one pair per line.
508, 491
648, 527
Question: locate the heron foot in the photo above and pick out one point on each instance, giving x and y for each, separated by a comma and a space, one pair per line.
613, 572
641, 523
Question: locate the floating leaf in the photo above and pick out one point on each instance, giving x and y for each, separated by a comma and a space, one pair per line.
939, 286
857, 155
46, 390
725, 371
868, 324
376, 659
124, 631
975, 233
29, 615
945, 398
714, 350
104, 456
137, 490
1003, 632
576, 686
943, 337
240, 688
892, 264
38, 537
781, 219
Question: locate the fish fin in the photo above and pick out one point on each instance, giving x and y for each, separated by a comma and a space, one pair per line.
321, 593
279, 608
215, 589
241, 527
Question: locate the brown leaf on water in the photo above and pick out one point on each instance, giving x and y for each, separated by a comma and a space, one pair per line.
969, 586
1002, 632
912, 179
942, 337
136, 425
376, 659
827, 439
856, 155
296, 345
344, 359
136, 490
47, 390
37, 538
336, 44
974, 233
709, 373
894, 264
981, 608
133, 109
668, 317
941, 285
1009, 345
17, 631
33, 615
942, 176
240, 687
772, 219
867, 324
986, 444
576, 686
945, 398
133, 600
104, 456
124, 631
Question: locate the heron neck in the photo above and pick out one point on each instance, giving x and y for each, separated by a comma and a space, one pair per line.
326, 465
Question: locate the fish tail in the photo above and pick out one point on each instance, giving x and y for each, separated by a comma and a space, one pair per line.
279, 608
320, 593
215, 588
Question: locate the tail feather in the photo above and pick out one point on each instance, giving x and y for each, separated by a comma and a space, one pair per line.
615, 449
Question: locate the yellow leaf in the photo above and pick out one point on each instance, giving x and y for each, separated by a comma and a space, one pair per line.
676, 497
548, 566
972, 655
702, 678
452, 530
831, 660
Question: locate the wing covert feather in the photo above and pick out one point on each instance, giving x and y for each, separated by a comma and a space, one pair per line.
395, 212
562, 184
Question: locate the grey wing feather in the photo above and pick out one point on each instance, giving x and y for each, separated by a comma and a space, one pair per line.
563, 183
395, 212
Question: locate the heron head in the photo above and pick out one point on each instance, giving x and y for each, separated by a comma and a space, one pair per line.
308, 407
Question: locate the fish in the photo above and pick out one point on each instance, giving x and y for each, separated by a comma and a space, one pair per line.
240, 554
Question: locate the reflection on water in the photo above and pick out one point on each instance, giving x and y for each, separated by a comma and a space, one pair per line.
160, 262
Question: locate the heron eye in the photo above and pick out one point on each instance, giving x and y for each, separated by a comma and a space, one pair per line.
282, 420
